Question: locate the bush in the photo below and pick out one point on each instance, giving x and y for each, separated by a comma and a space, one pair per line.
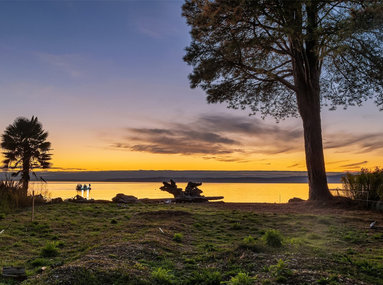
366, 185
162, 276
280, 271
205, 277
249, 240
241, 279
49, 250
113, 221
249, 243
178, 237
40, 262
273, 238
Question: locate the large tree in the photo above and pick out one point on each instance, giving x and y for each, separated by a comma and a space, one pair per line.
288, 57
25, 148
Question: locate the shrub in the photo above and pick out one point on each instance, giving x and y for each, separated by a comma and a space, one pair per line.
273, 238
40, 262
250, 243
366, 185
113, 221
178, 237
236, 227
280, 271
241, 279
205, 277
249, 240
49, 250
162, 276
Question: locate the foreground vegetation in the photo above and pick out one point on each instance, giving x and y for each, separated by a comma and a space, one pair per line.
365, 185
191, 244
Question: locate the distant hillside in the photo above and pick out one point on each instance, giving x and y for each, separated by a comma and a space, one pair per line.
183, 176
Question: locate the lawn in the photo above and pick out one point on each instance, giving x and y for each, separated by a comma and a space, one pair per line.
211, 243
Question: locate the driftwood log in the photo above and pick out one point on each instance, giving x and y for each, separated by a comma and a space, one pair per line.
172, 189
191, 194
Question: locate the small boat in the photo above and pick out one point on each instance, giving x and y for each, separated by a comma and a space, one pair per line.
84, 187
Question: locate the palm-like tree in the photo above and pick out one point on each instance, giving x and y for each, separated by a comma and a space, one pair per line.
26, 148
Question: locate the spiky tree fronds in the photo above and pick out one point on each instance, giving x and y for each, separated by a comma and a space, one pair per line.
25, 147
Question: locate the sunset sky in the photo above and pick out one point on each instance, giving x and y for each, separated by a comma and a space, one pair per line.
108, 82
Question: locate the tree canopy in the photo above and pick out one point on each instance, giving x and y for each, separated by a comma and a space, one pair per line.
26, 147
284, 58
245, 52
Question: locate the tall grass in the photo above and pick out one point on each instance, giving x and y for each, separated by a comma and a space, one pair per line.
12, 196
366, 185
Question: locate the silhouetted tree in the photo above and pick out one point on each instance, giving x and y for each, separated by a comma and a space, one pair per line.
284, 58
26, 147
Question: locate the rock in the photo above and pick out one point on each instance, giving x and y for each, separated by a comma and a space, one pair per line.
78, 198
295, 200
56, 200
42, 269
39, 199
125, 199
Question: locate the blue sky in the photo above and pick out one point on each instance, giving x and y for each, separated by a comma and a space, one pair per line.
95, 71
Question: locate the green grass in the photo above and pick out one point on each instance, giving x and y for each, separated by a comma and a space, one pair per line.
178, 237
198, 244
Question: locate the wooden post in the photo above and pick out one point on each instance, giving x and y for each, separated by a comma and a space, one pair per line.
33, 205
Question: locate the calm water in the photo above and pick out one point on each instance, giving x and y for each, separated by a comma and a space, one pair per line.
233, 192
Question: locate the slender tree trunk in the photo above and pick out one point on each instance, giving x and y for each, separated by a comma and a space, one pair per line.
309, 107
25, 176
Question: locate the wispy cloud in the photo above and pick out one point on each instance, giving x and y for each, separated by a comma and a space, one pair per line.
361, 143
155, 28
355, 165
68, 63
220, 137
231, 138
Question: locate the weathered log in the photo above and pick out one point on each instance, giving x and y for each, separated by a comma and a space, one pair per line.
193, 190
192, 193
172, 189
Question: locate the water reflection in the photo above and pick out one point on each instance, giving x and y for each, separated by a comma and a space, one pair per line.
82, 193
233, 192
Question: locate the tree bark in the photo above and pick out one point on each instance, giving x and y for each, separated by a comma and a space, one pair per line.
309, 107
306, 70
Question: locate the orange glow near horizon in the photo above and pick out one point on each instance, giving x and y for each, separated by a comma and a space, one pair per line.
98, 159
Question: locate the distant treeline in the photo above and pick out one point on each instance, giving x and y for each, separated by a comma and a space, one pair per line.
185, 176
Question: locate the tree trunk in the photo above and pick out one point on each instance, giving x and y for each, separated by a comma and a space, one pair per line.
306, 71
309, 108
25, 176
